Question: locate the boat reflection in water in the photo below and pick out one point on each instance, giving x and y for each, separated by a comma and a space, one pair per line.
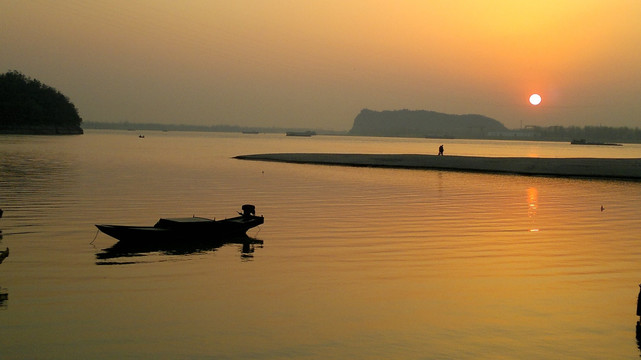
4, 293
638, 327
4, 296
129, 250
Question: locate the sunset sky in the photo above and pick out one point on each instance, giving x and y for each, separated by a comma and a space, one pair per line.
316, 64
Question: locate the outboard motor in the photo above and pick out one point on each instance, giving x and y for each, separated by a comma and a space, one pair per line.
249, 210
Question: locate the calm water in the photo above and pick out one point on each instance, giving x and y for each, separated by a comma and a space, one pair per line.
357, 263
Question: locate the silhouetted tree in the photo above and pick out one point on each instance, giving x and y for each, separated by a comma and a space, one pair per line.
29, 106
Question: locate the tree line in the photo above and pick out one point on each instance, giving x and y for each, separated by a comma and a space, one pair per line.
590, 133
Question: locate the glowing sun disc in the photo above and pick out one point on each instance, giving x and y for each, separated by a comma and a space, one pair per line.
535, 99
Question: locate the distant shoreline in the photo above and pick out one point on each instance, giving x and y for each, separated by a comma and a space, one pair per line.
43, 130
629, 169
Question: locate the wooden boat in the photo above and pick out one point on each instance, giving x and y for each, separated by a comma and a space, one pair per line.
186, 229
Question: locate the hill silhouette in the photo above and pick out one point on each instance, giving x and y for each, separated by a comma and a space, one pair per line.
422, 123
28, 106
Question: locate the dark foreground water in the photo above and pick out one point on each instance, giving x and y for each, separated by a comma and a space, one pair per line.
356, 262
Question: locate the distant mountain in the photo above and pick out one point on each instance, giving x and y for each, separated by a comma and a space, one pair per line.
422, 123
28, 106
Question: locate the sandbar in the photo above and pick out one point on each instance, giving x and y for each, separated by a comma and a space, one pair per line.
624, 168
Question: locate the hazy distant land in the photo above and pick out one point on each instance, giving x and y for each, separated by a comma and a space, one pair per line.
28, 106
417, 123
568, 167
126, 125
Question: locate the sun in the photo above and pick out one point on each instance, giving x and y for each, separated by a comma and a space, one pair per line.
535, 99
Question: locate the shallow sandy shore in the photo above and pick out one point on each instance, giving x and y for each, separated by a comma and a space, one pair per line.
571, 167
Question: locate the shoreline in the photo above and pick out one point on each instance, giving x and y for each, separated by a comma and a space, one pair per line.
602, 168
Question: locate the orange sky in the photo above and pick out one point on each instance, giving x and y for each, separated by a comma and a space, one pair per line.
294, 63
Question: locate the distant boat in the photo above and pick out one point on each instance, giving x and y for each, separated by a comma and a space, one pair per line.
179, 230
584, 142
250, 132
301, 133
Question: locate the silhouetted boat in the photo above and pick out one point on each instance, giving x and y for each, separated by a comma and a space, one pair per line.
300, 133
186, 229
585, 142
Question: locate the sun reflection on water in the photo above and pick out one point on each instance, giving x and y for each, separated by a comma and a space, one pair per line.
532, 201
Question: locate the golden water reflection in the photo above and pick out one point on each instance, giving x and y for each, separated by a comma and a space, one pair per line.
532, 201
359, 260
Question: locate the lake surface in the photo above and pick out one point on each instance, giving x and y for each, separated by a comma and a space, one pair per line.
357, 263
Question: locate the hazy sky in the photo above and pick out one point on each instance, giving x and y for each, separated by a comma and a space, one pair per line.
299, 63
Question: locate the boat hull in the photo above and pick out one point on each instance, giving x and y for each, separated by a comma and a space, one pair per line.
171, 230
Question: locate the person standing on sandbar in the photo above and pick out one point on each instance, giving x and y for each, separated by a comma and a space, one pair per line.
440, 150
